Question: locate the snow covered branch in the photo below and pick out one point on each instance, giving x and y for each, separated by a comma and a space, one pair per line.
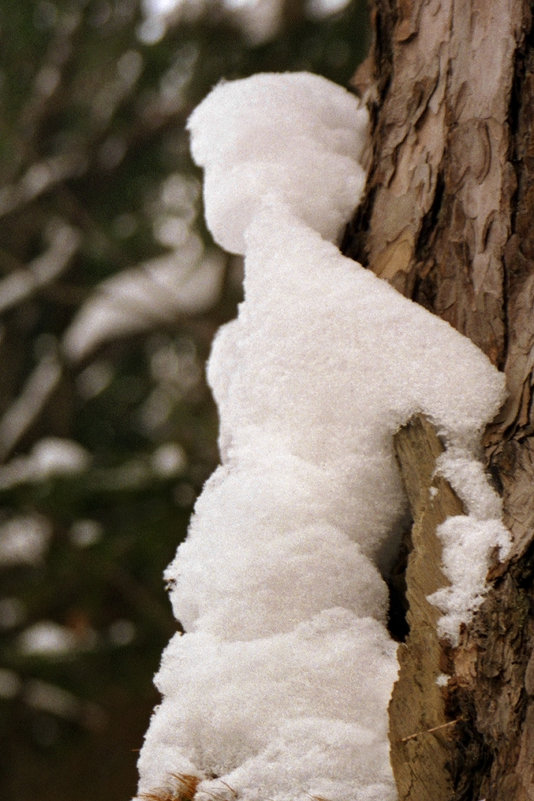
23, 283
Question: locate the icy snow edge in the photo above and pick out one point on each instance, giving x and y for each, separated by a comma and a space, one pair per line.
280, 686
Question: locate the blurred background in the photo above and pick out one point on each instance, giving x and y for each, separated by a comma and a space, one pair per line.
110, 293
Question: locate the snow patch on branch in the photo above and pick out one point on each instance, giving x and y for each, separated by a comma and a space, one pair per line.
280, 686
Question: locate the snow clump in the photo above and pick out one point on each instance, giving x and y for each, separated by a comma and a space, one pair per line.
279, 689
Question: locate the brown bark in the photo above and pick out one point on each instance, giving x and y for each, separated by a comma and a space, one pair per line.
448, 221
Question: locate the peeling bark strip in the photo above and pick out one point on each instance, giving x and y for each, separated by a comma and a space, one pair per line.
418, 704
448, 220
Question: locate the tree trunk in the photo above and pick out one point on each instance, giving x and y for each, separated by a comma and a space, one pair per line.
447, 220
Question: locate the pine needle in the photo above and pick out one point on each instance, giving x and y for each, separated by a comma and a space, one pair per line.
429, 731
182, 787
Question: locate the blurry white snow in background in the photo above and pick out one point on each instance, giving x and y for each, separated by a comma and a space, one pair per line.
154, 293
186, 280
47, 637
259, 20
24, 540
50, 456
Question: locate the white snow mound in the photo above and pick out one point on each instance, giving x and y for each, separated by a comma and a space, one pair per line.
279, 688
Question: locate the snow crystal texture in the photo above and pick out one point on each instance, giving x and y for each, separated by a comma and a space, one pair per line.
279, 688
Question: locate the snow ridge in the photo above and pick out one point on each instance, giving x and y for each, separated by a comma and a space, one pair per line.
280, 686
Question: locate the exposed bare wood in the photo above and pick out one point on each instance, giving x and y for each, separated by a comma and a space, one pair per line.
418, 703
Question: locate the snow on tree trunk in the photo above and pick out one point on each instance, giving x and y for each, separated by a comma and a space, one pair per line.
448, 221
279, 688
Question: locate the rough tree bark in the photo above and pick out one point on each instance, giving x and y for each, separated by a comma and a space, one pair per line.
448, 221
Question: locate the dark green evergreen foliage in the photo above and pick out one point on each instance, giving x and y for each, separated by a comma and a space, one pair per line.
91, 126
